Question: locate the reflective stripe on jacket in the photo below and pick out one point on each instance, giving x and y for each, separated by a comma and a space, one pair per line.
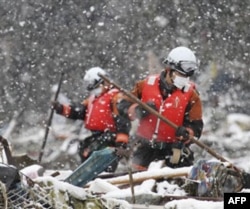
173, 108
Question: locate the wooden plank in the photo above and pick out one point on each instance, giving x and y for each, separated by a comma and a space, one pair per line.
145, 175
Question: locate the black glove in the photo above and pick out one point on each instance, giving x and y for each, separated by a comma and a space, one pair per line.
182, 133
141, 112
121, 145
55, 105
122, 150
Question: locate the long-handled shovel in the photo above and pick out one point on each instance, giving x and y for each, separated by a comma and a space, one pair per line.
245, 175
164, 119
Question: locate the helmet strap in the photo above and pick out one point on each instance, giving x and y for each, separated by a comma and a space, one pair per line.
94, 85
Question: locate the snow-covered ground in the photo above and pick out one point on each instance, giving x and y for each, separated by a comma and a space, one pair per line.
230, 139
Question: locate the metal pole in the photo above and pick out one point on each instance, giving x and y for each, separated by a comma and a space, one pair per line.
50, 119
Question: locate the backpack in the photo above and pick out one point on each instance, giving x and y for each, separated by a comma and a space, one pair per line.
212, 179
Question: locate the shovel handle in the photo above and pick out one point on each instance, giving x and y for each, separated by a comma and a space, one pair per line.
164, 119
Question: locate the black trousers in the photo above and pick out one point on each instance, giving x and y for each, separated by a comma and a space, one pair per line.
145, 153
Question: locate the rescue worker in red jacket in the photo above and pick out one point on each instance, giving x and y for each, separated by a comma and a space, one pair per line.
175, 97
100, 116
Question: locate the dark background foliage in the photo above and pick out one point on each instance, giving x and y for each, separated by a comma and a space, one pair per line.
41, 38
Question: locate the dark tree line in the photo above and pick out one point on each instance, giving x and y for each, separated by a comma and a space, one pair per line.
40, 38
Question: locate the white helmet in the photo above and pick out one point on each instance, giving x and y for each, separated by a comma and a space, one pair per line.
183, 60
92, 79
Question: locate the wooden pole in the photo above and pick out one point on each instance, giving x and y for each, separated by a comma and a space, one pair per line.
164, 119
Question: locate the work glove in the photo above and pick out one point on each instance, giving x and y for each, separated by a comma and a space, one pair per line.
184, 134
121, 145
122, 152
140, 112
55, 105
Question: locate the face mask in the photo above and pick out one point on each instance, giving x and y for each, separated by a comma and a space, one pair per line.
97, 91
181, 82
